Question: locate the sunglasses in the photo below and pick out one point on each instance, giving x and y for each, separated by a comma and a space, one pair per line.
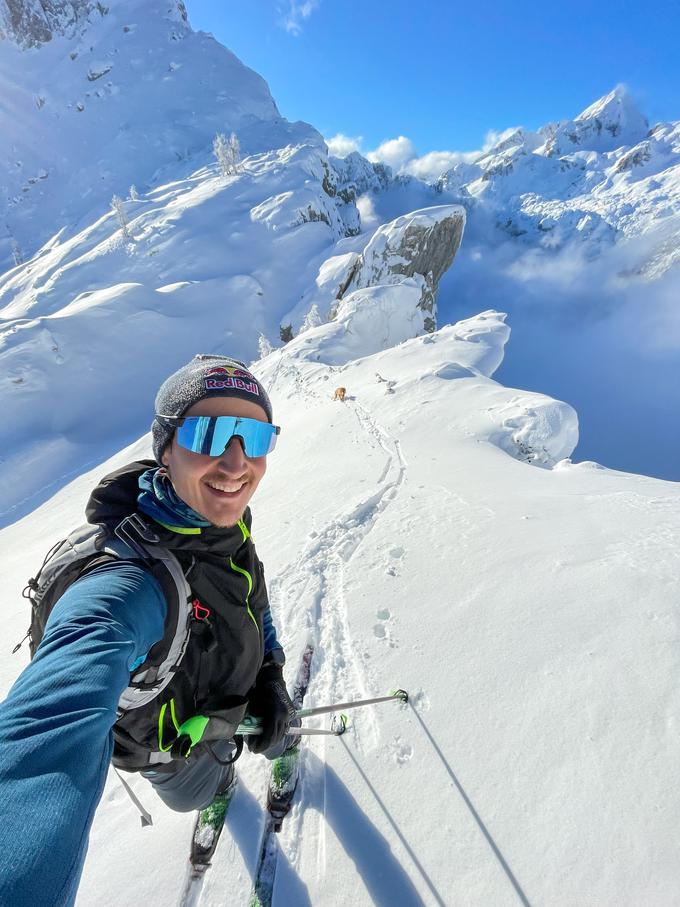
211, 434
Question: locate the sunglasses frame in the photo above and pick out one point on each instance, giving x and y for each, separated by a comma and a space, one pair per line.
176, 422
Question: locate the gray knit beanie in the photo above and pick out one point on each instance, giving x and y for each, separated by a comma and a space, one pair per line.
205, 376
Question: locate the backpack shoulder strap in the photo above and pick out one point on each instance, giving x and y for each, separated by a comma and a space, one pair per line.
90, 546
161, 661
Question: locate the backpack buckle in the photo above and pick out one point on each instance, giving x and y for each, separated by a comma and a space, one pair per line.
133, 530
200, 611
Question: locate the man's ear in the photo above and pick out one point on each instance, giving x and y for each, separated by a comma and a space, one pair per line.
165, 456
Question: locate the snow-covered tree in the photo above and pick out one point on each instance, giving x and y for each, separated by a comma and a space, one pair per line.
134, 195
227, 153
264, 346
222, 153
119, 208
286, 332
312, 319
17, 254
235, 148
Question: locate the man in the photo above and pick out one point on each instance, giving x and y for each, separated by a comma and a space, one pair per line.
97, 688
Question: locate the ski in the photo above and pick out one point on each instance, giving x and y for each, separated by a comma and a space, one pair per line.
206, 835
283, 782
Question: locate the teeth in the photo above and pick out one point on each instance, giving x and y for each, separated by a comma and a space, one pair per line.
236, 487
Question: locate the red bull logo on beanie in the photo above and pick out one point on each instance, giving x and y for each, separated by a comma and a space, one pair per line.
222, 377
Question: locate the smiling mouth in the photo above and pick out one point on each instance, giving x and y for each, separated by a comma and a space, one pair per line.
231, 490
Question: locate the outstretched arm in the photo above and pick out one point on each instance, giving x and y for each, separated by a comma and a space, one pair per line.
55, 729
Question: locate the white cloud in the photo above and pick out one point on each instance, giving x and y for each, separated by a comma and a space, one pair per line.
401, 155
341, 145
367, 212
430, 166
296, 13
395, 152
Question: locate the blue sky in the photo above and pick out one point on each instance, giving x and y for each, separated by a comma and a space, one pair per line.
444, 74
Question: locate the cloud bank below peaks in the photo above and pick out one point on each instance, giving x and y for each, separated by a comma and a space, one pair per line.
402, 156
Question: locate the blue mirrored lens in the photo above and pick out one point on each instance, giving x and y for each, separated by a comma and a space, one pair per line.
211, 434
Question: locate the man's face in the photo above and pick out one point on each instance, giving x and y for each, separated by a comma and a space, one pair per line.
218, 488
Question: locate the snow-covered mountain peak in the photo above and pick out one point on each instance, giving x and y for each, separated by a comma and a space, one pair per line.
119, 98
607, 124
597, 179
618, 113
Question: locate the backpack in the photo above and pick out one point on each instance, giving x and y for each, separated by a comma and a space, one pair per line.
92, 546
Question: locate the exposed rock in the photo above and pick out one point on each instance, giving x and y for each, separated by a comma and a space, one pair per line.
355, 175
420, 244
636, 157
96, 72
311, 215
33, 22
500, 166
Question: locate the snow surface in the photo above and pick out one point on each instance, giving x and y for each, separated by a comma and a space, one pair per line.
529, 612
431, 532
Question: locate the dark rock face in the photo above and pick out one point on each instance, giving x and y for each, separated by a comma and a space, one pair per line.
636, 157
421, 244
33, 22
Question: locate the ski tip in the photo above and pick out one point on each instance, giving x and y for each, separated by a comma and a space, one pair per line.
402, 695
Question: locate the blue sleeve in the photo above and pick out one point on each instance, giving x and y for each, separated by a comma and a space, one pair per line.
271, 641
55, 730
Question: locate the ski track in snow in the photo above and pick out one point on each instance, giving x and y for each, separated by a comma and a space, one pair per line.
310, 594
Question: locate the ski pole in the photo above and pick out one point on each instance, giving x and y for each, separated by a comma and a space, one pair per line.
332, 731
398, 695
251, 727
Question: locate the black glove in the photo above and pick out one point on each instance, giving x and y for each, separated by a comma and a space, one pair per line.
270, 702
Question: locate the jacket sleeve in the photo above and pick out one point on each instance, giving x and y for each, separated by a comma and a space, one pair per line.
55, 729
273, 650
272, 646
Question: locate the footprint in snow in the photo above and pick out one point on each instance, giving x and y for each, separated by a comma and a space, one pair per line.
401, 751
420, 701
379, 630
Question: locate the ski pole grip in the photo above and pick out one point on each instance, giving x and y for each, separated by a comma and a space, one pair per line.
250, 726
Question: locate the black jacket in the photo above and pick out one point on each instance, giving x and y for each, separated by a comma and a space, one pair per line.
226, 644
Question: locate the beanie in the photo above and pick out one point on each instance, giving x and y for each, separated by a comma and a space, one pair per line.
205, 376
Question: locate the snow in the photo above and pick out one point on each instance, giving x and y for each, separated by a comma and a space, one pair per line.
165, 93
430, 532
528, 611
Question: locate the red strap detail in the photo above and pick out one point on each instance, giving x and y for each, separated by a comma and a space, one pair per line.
200, 611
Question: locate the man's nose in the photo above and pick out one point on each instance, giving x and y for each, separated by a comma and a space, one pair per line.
233, 457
